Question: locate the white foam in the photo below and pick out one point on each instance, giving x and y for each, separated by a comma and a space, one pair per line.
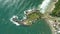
24, 18
30, 10
24, 12
58, 31
11, 19
44, 5
15, 17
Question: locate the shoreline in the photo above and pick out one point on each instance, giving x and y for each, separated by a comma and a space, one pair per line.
51, 6
11, 19
50, 25
43, 6
49, 20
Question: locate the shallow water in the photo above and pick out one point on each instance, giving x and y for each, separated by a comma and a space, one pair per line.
8, 8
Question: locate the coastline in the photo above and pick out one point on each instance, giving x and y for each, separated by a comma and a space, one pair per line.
44, 5
48, 17
17, 9
51, 6
11, 19
50, 25
47, 6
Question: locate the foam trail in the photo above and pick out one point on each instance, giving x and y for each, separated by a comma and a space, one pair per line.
11, 19
44, 5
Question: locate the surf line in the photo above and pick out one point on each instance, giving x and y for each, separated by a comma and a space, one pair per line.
44, 5
11, 19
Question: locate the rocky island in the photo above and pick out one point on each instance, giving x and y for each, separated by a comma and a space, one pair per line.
34, 14
31, 16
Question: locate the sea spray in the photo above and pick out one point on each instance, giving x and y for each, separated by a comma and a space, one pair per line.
11, 19
43, 6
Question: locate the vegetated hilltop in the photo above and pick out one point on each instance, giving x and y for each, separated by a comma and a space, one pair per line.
56, 11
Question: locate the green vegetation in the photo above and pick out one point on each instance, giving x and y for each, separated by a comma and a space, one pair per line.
56, 11
32, 17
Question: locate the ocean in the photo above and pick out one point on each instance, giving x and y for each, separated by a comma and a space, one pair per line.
8, 8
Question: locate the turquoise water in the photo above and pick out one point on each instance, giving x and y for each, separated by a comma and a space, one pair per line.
8, 8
